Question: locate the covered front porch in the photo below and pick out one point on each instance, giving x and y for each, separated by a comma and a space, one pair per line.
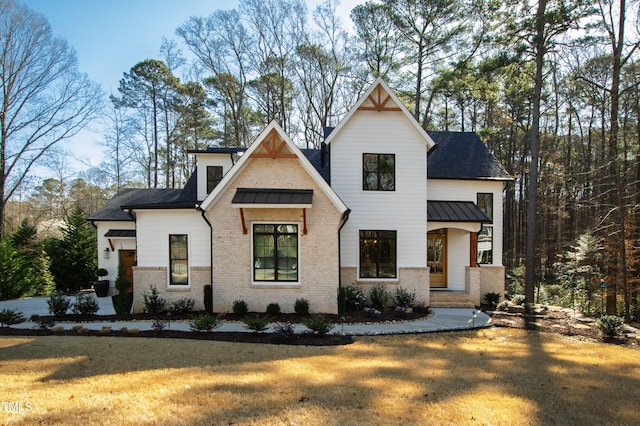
457, 280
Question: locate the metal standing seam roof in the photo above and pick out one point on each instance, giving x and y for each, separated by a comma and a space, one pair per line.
455, 211
121, 233
274, 196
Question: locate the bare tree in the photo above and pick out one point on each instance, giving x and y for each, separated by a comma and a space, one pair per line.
44, 100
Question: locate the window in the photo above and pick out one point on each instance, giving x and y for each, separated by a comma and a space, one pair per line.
179, 260
485, 245
275, 252
378, 254
214, 176
379, 172
485, 203
485, 236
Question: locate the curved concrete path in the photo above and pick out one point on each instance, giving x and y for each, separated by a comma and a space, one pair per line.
443, 319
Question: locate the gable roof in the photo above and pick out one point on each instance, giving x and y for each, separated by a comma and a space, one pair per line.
273, 142
462, 155
380, 97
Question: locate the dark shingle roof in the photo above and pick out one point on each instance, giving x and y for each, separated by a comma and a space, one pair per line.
462, 155
137, 198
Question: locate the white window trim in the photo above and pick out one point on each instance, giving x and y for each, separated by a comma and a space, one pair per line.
274, 284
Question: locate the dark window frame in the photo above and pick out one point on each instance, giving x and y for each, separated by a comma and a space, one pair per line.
378, 172
176, 257
213, 181
486, 207
381, 246
485, 203
280, 262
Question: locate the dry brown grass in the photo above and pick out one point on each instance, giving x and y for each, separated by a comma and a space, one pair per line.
491, 376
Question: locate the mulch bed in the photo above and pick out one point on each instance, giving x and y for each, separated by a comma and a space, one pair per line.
560, 322
308, 339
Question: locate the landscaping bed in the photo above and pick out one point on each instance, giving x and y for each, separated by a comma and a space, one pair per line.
562, 321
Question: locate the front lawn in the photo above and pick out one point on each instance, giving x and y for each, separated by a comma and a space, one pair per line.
488, 376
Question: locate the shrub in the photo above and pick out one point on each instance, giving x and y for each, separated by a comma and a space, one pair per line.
44, 323
301, 307
492, 298
273, 309
403, 297
158, 325
208, 298
205, 322
257, 324
240, 307
610, 325
153, 303
354, 298
379, 296
503, 306
10, 317
85, 304
182, 305
518, 299
319, 324
58, 304
283, 332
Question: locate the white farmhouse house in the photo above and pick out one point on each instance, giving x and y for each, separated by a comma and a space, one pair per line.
383, 202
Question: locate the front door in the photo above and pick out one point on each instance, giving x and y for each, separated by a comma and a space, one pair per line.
437, 258
127, 260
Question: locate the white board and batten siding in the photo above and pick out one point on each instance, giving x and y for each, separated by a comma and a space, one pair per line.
402, 210
468, 190
111, 264
154, 228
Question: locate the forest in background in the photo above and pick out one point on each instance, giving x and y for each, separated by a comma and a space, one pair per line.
553, 89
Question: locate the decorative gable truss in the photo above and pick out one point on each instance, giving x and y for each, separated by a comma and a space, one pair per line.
272, 143
379, 100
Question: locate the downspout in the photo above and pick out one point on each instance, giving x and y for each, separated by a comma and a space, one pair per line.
204, 217
343, 221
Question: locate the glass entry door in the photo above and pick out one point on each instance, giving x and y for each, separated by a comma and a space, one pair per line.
437, 258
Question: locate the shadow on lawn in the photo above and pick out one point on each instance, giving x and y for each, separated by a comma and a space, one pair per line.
490, 376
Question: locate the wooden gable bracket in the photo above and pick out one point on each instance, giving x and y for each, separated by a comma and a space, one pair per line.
273, 148
244, 225
378, 103
111, 244
304, 221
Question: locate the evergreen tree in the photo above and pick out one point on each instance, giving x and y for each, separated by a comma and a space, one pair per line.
74, 258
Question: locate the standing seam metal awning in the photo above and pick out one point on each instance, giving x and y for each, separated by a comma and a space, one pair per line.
267, 197
270, 198
455, 211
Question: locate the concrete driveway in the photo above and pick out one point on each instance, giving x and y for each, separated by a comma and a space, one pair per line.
38, 305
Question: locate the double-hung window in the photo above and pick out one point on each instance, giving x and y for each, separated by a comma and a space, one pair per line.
379, 172
275, 252
178, 260
485, 236
378, 254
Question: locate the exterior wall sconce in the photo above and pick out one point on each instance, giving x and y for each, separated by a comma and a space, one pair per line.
106, 253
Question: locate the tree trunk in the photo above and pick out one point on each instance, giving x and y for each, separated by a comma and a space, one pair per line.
530, 252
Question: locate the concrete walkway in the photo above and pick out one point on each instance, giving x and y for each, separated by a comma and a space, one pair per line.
443, 319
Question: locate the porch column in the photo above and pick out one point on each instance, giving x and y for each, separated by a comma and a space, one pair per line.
473, 249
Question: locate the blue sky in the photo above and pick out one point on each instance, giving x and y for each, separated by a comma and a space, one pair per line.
111, 36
